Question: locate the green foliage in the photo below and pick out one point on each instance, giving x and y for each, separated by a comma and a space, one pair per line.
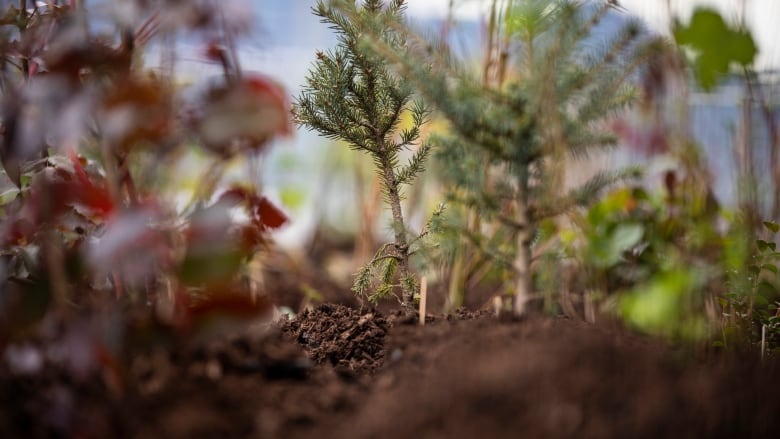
753, 298
351, 95
663, 305
716, 45
531, 18
655, 258
502, 163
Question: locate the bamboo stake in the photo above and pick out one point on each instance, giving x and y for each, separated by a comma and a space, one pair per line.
423, 298
763, 341
498, 305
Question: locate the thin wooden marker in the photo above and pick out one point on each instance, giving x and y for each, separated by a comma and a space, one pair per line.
498, 305
423, 298
763, 341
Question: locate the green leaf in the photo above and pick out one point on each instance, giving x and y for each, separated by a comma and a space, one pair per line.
662, 306
8, 196
715, 44
770, 267
762, 245
765, 289
199, 267
760, 301
607, 251
772, 226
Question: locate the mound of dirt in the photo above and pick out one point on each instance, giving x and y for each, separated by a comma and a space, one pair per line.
335, 372
558, 378
350, 341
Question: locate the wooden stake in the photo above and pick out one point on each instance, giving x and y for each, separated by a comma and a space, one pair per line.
763, 340
423, 298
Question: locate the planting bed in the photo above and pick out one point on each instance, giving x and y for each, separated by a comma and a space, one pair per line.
339, 372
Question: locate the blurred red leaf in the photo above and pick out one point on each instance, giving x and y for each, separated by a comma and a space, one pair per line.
270, 215
93, 195
261, 211
132, 244
218, 309
242, 116
229, 302
264, 88
135, 111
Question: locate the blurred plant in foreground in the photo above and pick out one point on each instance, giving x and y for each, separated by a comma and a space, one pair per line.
89, 137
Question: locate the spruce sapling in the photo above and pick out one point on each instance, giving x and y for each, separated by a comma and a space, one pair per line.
350, 95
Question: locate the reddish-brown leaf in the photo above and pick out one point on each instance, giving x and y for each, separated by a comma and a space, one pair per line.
84, 190
270, 215
237, 117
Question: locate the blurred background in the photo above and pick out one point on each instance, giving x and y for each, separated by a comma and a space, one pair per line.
303, 171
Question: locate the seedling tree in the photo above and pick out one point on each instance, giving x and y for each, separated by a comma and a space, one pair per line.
350, 95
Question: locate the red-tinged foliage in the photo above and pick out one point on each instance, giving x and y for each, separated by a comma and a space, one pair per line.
269, 215
55, 191
84, 190
217, 309
269, 91
94, 231
646, 139
242, 116
134, 244
91, 58
137, 113
263, 213
218, 242
228, 303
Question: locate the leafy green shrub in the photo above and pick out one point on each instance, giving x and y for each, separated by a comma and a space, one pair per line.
653, 259
751, 304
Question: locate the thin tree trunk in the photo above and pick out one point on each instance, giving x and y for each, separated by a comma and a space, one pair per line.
457, 286
399, 230
522, 262
367, 201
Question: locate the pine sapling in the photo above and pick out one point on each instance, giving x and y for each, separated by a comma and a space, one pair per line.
350, 95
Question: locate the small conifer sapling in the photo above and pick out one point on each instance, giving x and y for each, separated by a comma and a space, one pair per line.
350, 95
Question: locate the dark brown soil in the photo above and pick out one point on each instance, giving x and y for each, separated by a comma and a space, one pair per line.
350, 341
336, 372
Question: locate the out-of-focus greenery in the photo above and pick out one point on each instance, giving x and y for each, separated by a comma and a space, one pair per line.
540, 104
715, 45
752, 301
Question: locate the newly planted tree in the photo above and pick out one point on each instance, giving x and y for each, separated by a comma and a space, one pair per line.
350, 95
